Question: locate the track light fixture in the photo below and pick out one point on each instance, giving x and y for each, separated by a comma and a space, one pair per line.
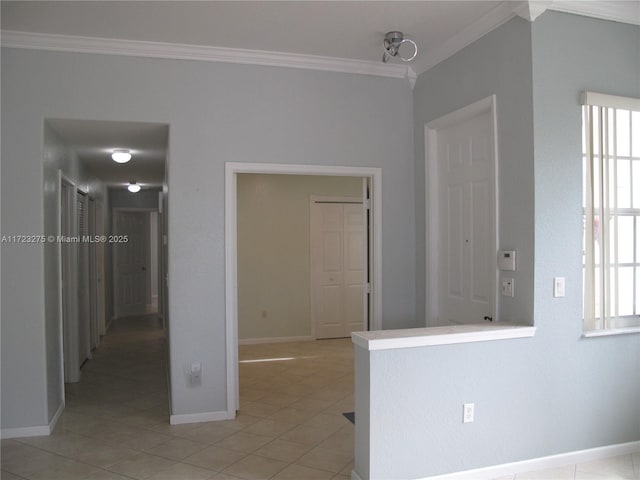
392, 43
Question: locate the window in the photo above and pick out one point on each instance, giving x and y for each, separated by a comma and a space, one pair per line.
611, 202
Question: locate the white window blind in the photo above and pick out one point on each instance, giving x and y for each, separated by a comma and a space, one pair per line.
611, 201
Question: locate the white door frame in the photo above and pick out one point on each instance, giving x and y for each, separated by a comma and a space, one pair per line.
114, 256
431, 129
72, 348
232, 169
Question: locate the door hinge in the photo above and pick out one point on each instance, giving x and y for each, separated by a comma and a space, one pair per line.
367, 288
366, 203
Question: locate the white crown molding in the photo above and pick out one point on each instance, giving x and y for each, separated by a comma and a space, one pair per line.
532, 9
488, 22
616, 11
135, 48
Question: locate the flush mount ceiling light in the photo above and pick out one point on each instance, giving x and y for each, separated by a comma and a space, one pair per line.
392, 43
133, 187
121, 155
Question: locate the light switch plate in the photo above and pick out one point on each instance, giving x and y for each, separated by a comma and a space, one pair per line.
468, 412
558, 287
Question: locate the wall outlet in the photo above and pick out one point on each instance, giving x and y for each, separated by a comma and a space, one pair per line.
195, 371
467, 412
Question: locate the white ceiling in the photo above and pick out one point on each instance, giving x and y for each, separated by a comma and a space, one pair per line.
347, 32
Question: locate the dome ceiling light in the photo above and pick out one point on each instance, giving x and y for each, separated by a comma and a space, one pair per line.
133, 187
121, 155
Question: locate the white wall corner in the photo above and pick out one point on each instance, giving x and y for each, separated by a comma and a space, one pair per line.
412, 76
37, 431
532, 9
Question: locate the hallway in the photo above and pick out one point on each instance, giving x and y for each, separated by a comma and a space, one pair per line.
125, 380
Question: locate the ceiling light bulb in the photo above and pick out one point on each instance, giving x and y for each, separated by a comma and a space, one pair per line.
133, 187
121, 156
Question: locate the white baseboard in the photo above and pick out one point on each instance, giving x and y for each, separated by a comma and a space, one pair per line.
199, 417
56, 416
21, 432
541, 463
38, 431
255, 341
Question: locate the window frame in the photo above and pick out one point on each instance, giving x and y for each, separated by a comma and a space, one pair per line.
598, 318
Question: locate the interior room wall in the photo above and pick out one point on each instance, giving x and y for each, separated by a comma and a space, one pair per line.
217, 113
274, 251
555, 392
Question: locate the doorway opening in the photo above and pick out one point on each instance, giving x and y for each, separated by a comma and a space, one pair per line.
136, 235
371, 182
90, 188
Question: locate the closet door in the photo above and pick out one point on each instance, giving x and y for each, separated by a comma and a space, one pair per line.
337, 269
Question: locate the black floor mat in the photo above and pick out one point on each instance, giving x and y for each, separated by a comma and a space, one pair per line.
351, 416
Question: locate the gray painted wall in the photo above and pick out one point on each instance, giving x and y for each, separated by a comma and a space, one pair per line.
217, 113
500, 64
555, 392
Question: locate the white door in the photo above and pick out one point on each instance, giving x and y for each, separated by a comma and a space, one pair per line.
131, 262
100, 276
93, 276
467, 244
337, 269
84, 283
69, 282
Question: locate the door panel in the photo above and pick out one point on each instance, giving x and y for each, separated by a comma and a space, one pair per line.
454, 238
330, 318
354, 236
131, 263
480, 261
84, 287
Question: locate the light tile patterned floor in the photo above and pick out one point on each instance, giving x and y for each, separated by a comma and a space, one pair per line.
290, 425
116, 421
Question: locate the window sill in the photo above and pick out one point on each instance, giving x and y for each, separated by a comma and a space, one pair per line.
430, 336
606, 332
